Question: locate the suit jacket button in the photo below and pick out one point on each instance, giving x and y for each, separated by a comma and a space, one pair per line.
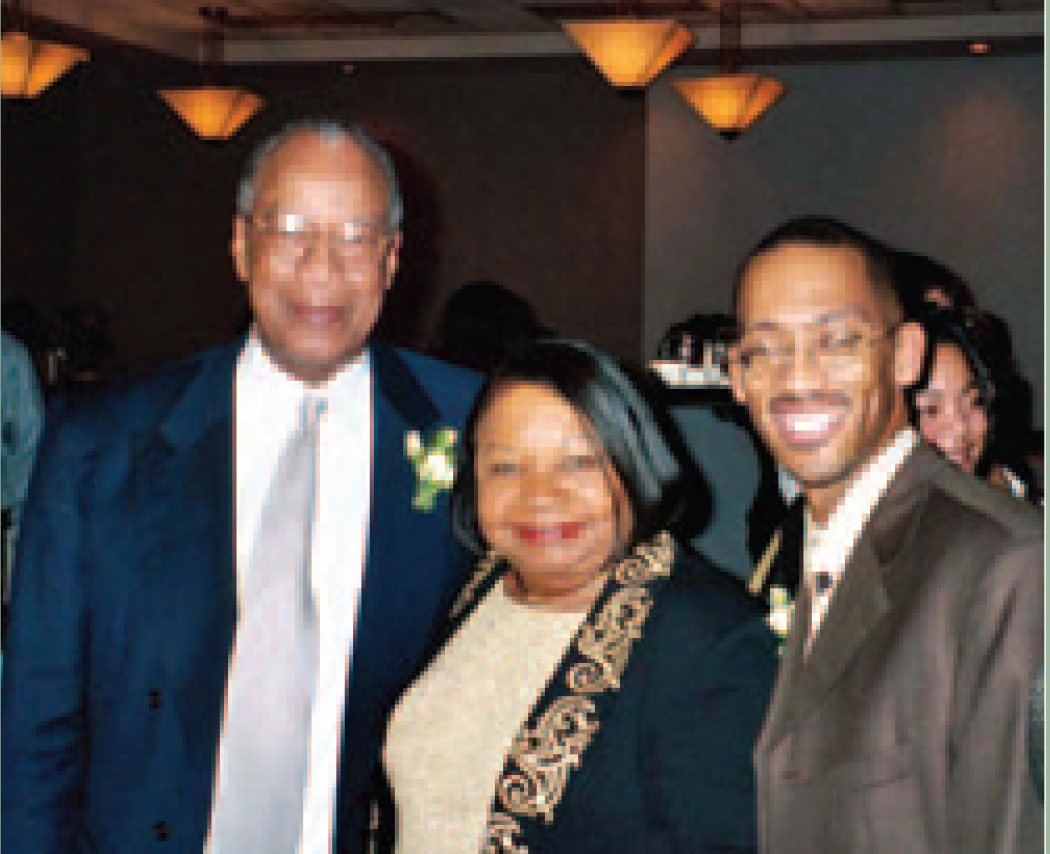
161, 831
154, 699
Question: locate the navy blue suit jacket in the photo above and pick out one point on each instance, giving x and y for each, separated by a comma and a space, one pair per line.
657, 759
123, 610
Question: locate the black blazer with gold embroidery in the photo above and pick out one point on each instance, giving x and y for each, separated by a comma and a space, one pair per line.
641, 743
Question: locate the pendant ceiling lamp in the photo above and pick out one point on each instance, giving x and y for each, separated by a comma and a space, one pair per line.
27, 65
630, 51
213, 111
731, 100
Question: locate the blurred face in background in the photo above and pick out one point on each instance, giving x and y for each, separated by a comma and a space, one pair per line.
952, 414
937, 297
549, 499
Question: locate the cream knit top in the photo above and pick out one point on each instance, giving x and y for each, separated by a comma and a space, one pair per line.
449, 735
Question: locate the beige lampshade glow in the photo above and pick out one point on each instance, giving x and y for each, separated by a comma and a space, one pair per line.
28, 66
213, 112
731, 102
630, 51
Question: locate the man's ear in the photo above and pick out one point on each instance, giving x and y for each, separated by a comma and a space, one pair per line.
391, 259
736, 375
910, 349
239, 247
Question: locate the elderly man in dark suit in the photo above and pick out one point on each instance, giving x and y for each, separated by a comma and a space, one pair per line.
234, 565
898, 723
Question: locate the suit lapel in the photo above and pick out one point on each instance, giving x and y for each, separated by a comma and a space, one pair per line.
553, 741
791, 666
406, 571
399, 405
181, 498
861, 602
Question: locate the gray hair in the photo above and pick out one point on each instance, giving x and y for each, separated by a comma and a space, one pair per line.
330, 131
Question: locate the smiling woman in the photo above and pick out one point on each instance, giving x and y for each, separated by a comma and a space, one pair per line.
955, 399
549, 500
595, 689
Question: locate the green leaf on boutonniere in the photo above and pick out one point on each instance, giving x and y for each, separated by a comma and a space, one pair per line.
434, 463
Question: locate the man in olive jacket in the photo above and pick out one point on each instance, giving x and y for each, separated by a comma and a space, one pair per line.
899, 721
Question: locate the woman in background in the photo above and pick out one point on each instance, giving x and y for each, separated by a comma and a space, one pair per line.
952, 401
596, 689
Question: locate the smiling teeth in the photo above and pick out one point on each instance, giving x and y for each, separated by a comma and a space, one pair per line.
809, 423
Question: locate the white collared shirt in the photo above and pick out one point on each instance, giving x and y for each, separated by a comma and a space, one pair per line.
267, 402
829, 548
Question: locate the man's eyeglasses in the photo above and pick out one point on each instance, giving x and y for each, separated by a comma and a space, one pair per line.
291, 235
833, 345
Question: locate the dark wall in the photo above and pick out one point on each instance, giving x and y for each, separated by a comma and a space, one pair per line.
939, 156
530, 172
40, 196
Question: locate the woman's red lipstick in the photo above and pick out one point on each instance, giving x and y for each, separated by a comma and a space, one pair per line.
550, 533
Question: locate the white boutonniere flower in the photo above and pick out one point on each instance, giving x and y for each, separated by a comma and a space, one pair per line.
781, 610
434, 463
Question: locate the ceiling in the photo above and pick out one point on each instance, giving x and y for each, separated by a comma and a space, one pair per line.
363, 30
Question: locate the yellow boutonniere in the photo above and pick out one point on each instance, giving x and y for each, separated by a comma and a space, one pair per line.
781, 610
434, 464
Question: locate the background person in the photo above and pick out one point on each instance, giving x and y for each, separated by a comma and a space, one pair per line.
924, 282
952, 403
926, 287
482, 324
951, 400
900, 715
91, 359
597, 689
164, 513
20, 428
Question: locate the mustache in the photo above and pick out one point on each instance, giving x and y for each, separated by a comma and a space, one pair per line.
801, 401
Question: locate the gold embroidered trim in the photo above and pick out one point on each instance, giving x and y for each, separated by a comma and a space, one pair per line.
607, 641
499, 836
485, 568
543, 756
649, 561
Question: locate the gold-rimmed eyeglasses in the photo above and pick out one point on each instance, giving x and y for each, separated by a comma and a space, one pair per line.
291, 235
833, 345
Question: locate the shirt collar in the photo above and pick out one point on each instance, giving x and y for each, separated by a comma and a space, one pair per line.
830, 547
284, 391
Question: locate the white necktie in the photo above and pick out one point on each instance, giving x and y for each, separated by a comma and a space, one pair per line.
273, 671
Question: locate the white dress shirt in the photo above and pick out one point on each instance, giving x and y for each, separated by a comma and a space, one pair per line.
266, 411
828, 549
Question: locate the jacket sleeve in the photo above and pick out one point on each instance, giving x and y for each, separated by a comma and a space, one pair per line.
992, 801
705, 705
43, 741
23, 417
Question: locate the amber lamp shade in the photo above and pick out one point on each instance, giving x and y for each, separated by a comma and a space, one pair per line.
630, 52
28, 66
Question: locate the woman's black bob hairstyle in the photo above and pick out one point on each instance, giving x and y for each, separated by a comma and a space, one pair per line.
962, 330
629, 421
